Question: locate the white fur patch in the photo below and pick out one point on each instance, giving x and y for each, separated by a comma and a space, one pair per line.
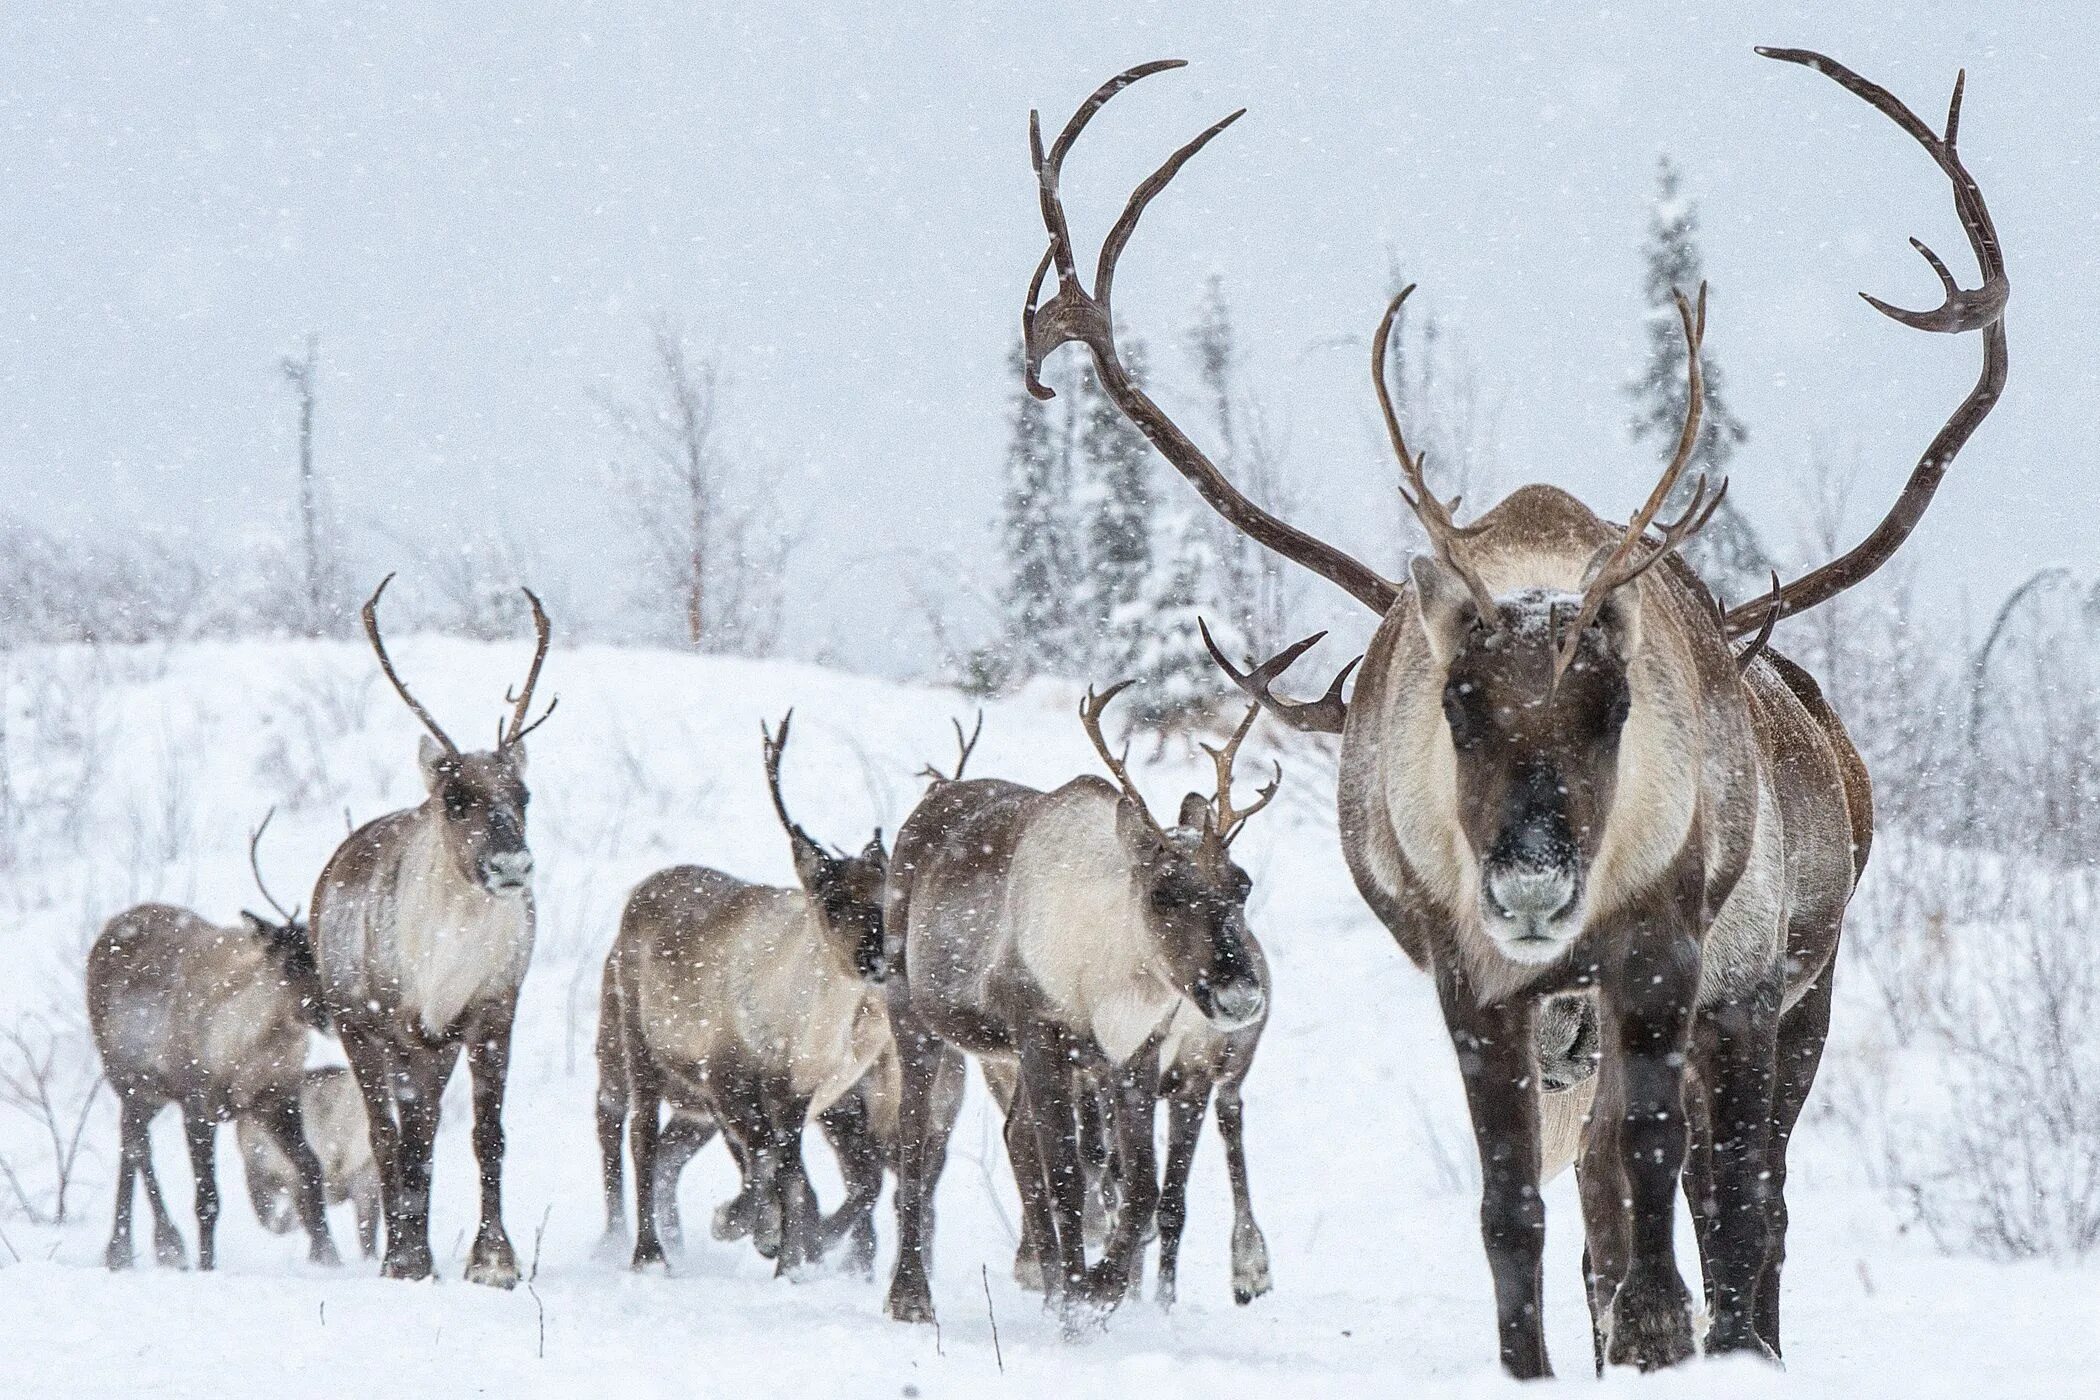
449, 943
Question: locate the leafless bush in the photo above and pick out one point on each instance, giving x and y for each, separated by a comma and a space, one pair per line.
104, 587
1971, 1071
49, 1078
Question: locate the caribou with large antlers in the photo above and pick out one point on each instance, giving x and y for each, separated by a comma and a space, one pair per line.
424, 922
1054, 935
1557, 778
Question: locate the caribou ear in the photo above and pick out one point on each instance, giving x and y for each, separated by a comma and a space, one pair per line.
436, 763
814, 866
257, 924
875, 855
1195, 811
1445, 605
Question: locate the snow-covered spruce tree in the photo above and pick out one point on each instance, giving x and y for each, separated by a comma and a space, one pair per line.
1727, 553
1117, 503
1175, 675
1038, 532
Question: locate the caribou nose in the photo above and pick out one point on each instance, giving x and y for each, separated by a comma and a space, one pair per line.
507, 869
1530, 893
1237, 1003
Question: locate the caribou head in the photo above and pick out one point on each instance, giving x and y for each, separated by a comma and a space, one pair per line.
1192, 895
480, 798
288, 939
845, 890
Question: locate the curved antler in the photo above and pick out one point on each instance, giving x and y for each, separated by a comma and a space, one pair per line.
1325, 715
255, 865
1775, 605
1074, 313
544, 631
1622, 566
1226, 821
1090, 711
370, 613
1961, 310
774, 745
1434, 514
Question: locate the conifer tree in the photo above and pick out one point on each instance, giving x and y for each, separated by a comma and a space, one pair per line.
1037, 533
1117, 504
1727, 553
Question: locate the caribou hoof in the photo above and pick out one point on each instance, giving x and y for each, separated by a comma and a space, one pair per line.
1164, 1292
736, 1217
1028, 1272
611, 1246
1651, 1320
117, 1257
322, 1252
910, 1301
1250, 1266
1739, 1338
408, 1263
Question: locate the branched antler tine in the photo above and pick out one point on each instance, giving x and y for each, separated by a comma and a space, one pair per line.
966, 747
1126, 223
255, 865
370, 613
1090, 712
1621, 566
773, 745
1226, 819
544, 633
1327, 715
1436, 517
1961, 309
1775, 604
1060, 233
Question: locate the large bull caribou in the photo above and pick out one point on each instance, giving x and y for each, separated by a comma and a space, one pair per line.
424, 924
1560, 778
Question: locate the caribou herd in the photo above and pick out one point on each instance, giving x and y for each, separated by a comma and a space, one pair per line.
1616, 827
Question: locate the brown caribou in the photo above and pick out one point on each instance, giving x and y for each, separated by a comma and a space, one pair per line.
215, 1021
333, 1114
424, 923
1054, 935
753, 1009
1558, 778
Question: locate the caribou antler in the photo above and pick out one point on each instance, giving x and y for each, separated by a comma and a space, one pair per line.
370, 614
518, 727
255, 865
1434, 514
1961, 310
774, 745
963, 749
1074, 313
1090, 710
1627, 561
1227, 821
1775, 605
1325, 715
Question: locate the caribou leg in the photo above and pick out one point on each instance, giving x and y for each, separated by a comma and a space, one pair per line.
492, 1260
1136, 1105
645, 1140
1047, 1100
845, 1124
201, 1133
135, 1159
1034, 1260
1800, 1049
612, 1128
421, 1084
918, 1062
283, 1120
1494, 1058
1649, 1007
1250, 1252
1739, 1073
677, 1143
795, 1200
1185, 1113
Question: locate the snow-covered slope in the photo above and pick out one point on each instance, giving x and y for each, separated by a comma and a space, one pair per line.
137, 774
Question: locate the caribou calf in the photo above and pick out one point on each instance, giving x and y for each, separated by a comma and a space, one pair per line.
757, 1008
424, 923
215, 1021
334, 1118
1057, 933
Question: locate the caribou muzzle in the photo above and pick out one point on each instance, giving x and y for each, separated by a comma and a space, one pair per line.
1531, 888
507, 872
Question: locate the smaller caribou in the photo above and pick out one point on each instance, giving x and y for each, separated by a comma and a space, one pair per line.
424, 924
1055, 935
334, 1117
756, 1008
213, 1020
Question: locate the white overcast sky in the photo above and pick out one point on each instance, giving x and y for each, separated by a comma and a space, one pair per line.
480, 209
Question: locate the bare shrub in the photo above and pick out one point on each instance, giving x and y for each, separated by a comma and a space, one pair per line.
49, 1077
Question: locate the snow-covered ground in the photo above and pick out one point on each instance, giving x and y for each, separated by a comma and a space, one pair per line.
137, 774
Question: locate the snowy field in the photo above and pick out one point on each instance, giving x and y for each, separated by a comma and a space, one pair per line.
136, 774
